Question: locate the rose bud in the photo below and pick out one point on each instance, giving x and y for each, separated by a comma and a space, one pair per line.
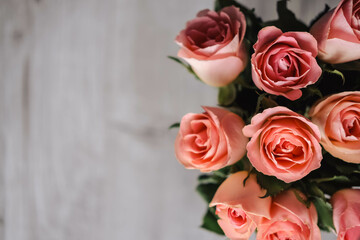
338, 118
210, 140
283, 63
346, 214
338, 33
283, 144
290, 219
213, 45
240, 206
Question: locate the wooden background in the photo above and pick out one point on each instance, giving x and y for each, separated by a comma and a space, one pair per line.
86, 96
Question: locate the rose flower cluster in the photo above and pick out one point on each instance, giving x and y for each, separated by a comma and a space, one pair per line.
280, 155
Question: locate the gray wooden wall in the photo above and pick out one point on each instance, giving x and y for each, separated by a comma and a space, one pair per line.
86, 96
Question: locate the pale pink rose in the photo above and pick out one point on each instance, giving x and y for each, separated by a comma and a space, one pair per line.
346, 214
210, 140
240, 207
290, 219
283, 144
283, 63
338, 33
338, 117
213, 44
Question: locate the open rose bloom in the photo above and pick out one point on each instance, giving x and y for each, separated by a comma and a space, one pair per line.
283, 144
283, 63
338, 33
213, 42
338, 117
346, 214
210, 140
240, 206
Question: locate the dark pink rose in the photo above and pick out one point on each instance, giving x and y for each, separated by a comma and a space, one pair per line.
211, 140
338, 33
283, 63
283, 144
213, 44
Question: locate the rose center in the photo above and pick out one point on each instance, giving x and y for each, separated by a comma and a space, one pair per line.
287, 149
281, 236
284, 64
208, 33
352, 126
237, 217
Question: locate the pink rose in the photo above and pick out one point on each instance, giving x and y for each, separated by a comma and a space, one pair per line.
239, 206
338, 118
290, 219
346, 214
338, 33
283, 144
210, 140
213, 44
283, 63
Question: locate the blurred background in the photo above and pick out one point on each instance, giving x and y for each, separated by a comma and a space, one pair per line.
86, 97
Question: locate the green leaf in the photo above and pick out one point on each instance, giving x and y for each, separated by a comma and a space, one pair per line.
174, 125
207, 191
187, 66
287, 20
210, 223
301, 199
272, 185
207, 179
264, 102
227, 95
330, 179
324, 211
315, 191
336, 72
223, 172
314, 91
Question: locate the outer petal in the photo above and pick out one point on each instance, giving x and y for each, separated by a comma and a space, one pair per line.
338, 50
266, 36
305, 40
232, 192
346, 214
259, 119
219, 72
286, 208
320, 30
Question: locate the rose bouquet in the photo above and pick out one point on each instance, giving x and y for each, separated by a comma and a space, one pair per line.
280, 154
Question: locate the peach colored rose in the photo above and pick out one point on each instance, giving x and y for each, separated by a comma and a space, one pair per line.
283, 144
290, 219
346, 214
338, 117
283, 63
239, 206
213, 44
338, 33
210, 140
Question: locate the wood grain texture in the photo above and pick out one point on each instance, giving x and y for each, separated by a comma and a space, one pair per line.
86, 96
